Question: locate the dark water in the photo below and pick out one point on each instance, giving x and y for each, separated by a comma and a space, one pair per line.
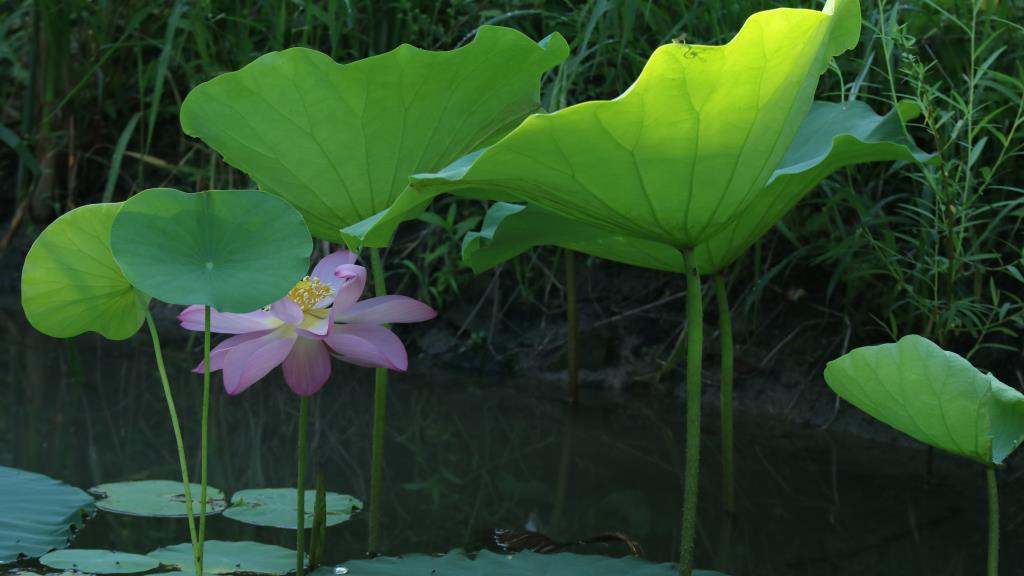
467, 453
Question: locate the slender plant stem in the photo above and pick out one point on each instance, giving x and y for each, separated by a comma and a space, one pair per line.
573, 367
182, 462
993, 521
300, 488
694, 347
380, 401
318, 532
726, 371
204, 442
564, 468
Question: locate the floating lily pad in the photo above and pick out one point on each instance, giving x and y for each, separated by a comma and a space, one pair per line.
221, 557
99, 561
234, 250
70, 283
38, 514
486, 563
933, 395
276, 507
154, 498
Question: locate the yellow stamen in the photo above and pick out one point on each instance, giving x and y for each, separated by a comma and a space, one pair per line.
308, 292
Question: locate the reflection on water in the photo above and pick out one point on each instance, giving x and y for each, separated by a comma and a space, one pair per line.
468, 453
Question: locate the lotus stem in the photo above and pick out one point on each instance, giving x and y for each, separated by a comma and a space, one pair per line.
182, 462
318, 534
726, 374
573, 368
725, 538
564, 468
993, 520
300, 488
204, 442
694, 347
380, 399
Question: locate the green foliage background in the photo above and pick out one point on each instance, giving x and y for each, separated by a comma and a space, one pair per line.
91, 90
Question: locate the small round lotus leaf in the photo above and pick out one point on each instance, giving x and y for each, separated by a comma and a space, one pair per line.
234, 250
458, 563
276, 507
71, 284
154, 498
39, 514
221, 557
99, 561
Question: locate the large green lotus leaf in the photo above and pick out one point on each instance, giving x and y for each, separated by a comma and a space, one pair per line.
833, 135
154, 498
98, 561
935, 396
39, 514
680, 152
486, 563
71, 284
275, 507
234, 250
510, 229
220, 557
339, 141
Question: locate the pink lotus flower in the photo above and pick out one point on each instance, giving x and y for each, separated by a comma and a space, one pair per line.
321, 315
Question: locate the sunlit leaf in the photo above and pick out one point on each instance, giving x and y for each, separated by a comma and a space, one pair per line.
486, 563
833, 135
71, 284
511, 229
221, 557
276, 507
933, 395
675, 157
339, 141
39, 514
153, 498
98, 561
235, 250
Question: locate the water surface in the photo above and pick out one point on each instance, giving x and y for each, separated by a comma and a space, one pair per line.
469, 452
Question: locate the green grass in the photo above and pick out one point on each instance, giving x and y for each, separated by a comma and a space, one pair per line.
935, 250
